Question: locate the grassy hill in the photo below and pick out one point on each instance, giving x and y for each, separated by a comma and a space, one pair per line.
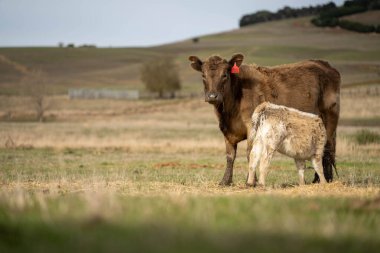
368, 18
356, 56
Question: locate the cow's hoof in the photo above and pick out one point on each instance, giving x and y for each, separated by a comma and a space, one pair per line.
225, 183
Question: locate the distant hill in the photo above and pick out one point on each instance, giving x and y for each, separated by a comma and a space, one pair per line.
356, 56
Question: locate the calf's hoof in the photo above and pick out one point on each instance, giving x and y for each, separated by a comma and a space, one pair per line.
262, 186
249, 185
316, 179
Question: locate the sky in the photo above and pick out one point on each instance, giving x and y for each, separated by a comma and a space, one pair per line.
124, 23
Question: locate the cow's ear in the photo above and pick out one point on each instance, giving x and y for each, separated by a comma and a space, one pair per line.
236, 58
196, 63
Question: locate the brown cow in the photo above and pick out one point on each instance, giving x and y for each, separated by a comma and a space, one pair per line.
311, 86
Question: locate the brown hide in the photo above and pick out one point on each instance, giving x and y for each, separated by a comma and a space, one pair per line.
311, 86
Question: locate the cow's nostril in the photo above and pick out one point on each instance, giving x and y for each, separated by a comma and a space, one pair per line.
212, 96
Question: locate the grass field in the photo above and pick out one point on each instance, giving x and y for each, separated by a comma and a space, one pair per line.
115, 200
142, 176
146, 179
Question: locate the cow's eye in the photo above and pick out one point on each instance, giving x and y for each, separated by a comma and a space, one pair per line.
225, 75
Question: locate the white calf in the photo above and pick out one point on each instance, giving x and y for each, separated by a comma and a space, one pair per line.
297, 134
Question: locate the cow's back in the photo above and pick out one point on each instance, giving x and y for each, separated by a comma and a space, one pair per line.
297, 85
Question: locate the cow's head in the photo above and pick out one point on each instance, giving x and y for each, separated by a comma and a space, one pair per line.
216, 74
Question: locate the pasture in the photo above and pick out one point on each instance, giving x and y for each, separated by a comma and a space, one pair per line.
147, 180
142, 176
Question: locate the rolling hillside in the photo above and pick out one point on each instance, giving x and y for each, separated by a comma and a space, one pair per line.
368, 18
356, 56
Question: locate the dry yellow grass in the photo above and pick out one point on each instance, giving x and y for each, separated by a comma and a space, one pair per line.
360, 107
143, 126
129, 187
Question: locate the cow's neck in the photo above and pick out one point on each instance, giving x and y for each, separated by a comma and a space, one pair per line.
228, 111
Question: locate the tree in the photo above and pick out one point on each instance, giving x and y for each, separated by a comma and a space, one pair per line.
34, 86
285, 13
161, 75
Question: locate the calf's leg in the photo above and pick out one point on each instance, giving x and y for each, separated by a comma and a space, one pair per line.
254, 159
230, 155
317, 164
301, 169
266, 156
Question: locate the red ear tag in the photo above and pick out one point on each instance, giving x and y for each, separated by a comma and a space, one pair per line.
235, 69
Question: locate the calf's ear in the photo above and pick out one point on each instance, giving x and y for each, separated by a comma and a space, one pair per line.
236, 58
196, 63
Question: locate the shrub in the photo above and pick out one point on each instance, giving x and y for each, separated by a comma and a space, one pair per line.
357, 27
323, 22
366, 137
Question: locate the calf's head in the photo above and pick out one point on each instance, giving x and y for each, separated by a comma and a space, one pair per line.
216, 74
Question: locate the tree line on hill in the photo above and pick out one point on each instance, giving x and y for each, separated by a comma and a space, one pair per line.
331, 18
328, 15
284, 13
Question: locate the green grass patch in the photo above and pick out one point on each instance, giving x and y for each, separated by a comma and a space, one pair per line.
188, 224
365, 122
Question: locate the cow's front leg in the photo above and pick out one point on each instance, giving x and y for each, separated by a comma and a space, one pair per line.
230, 155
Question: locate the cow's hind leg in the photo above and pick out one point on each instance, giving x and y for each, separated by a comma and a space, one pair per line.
330, 108
328, 160
331, 121
301, 170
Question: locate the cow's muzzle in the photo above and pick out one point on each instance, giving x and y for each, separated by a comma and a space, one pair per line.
213, 97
